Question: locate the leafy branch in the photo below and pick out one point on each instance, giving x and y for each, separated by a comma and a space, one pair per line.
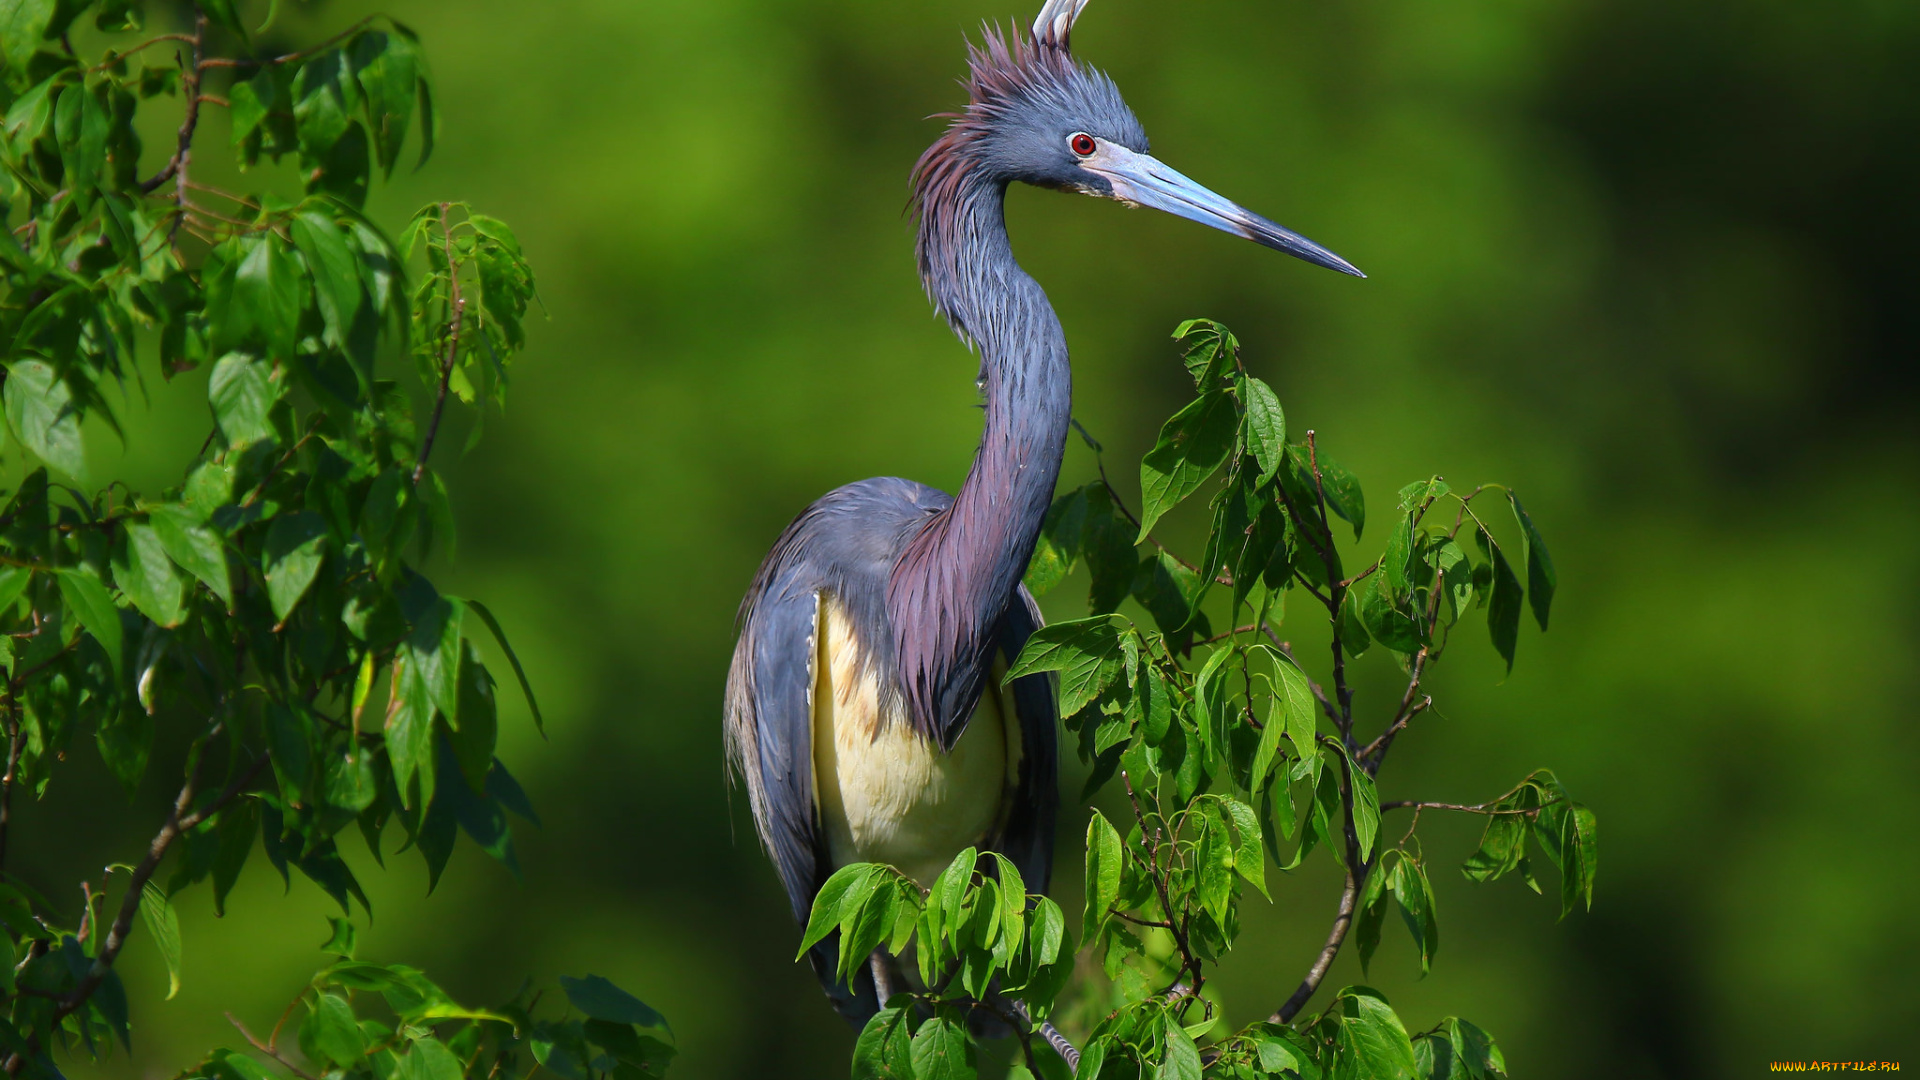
269, 608
1228, 751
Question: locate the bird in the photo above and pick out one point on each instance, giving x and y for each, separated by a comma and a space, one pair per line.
866, 706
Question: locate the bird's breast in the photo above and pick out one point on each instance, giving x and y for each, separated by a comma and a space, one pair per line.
885, 793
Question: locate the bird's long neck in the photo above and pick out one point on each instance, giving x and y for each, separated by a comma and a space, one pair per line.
950, 588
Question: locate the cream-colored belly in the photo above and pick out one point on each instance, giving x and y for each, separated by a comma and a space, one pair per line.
885, 794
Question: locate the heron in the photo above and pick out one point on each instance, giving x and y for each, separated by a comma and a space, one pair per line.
867, 709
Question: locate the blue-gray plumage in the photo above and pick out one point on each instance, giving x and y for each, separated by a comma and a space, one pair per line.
864, 706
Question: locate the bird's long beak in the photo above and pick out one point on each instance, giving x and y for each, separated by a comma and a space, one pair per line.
1147, 181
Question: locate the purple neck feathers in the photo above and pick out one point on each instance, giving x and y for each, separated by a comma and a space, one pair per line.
951, 586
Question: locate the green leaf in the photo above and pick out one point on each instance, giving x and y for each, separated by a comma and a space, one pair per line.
330, 1032
87, 598
428, 1059
1372, 907
1168, 591
838, 900
409, 731
434, 649
1502, 845
885, 1048
1579, 856
1192, 445
1303, 711
1541, 579
1366, 807
871, 926
44, 416
473, 744
1249, 861
1421, 492
602, 1000
335, 270
1343, 492
1182, 1058
1107, 544
296, 546
385, 67
942, 1051
1266, 427
1503, 610
1086, 653
344, 941
148, 578
195, 547
1458, 1050
239, 823
23, 24
520, 673
1371, 1034
13, 581
250, 100
1384, 619
1105, 863
1395, 563
1415, 896
1213, 863
243, 390
1210, 351
290, 740
1269, 745
164, 925
269, 289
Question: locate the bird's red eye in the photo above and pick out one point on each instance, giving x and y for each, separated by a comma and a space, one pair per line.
1082, 144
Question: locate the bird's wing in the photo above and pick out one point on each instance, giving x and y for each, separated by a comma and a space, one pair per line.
1027, 839
770, 729
770, 733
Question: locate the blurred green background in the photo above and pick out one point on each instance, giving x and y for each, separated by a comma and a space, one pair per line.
1650, 261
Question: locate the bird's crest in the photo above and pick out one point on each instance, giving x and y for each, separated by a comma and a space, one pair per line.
1054, 24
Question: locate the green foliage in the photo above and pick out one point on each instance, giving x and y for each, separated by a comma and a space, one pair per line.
357, 1020
268, 611
1227, 753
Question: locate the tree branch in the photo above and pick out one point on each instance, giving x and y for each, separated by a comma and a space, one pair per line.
179, 821
176, 167
16, 742
1342, 920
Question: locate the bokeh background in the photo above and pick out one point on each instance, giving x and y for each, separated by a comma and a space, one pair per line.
1649, 261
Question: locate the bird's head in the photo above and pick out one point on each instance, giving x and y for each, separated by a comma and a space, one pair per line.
1036, 115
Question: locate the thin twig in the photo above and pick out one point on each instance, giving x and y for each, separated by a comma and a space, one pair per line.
288, 58
183, 153
1187, 960
1489, 809
458, 317
1380, 744
117, 57
269, 1050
